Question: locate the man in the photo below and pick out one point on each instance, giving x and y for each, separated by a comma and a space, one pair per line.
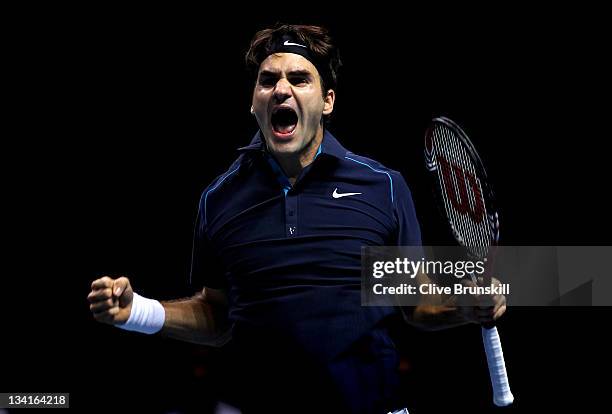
277, 250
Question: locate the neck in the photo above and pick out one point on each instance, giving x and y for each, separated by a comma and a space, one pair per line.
293, 164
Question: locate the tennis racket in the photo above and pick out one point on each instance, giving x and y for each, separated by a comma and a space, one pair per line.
466, 199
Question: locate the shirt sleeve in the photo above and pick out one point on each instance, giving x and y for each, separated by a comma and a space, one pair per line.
408, 230
206, 267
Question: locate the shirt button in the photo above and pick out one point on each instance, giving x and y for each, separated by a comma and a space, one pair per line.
291, 212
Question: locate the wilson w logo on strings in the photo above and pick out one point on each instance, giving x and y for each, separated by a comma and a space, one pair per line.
457, 183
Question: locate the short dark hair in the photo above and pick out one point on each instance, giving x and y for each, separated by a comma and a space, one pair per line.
316, 38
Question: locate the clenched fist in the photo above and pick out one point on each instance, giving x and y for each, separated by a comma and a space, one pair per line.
111, 300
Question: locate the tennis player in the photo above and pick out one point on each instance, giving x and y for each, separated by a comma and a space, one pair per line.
277, 251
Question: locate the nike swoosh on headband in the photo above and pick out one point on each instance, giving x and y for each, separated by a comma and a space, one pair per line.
288, 43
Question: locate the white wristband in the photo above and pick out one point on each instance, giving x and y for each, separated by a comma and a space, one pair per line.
146, 316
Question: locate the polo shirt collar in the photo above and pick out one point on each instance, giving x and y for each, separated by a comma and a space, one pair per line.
329, 145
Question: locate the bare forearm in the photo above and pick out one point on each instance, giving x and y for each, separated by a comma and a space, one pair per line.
434, 318
434, 312
196, 320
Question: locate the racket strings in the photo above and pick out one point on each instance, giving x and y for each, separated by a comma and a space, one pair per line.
461, 192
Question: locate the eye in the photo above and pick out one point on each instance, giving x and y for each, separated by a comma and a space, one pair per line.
267, 81
299, 80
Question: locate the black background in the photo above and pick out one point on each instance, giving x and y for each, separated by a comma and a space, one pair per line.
119, 118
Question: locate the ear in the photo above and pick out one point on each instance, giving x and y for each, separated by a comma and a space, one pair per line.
252, 110
328, 102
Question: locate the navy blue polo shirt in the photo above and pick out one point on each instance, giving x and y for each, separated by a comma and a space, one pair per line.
289, 256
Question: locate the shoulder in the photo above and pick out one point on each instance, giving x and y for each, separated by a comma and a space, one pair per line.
219, 187
373, 169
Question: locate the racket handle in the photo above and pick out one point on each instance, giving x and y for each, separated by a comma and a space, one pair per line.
502, 395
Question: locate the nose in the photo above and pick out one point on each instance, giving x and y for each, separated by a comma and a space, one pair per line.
282, 90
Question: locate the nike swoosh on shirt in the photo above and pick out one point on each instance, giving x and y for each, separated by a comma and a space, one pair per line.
336, 194
288, 43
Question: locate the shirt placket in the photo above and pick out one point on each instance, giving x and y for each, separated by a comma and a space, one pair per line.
290, 193
291, 213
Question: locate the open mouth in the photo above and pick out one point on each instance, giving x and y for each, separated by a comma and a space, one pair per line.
284, 120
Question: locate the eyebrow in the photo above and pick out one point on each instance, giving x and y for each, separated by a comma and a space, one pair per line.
296, 72
300, 72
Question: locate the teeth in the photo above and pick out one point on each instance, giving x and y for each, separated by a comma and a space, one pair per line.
283, 108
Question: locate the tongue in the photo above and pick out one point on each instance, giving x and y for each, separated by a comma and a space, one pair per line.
285, 129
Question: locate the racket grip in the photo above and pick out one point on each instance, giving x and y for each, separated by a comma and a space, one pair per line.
502, 395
